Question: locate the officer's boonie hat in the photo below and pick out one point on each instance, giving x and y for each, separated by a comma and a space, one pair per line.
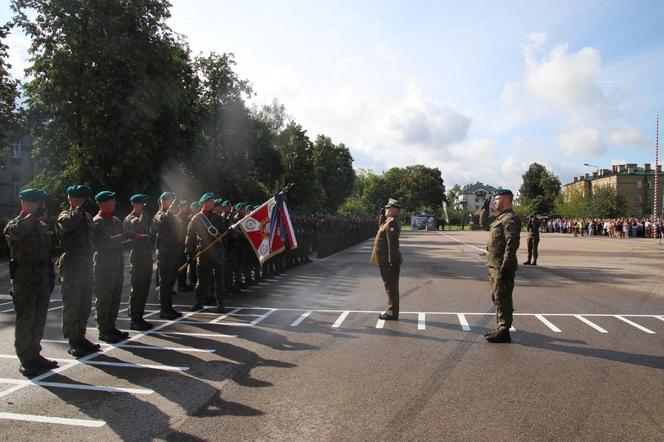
393, 203
32, 195
79, 191
139, 198
104, 195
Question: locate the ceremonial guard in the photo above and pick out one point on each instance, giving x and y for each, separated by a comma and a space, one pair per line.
387, 256
501, 260
205, 228
109, 240
168, 229
533, 239
74, 229
32, 280
184, 216
137, 225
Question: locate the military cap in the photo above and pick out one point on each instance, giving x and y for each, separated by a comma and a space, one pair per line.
194, 205
104, 195
218, 202
502, 191
240, 206
167, 196
249, 208
205, 197
32, 195
139, 198
393, 203
226, 203
182, 203
79, 191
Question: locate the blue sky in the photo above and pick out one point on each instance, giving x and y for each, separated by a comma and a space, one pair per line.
480, 89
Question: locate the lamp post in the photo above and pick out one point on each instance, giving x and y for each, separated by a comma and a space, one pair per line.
591, 165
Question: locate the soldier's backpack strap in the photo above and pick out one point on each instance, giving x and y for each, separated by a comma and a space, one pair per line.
212, 230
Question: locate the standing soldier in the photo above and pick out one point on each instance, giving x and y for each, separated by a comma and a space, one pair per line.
109, 240
32, 280
195, 207
387, 256
168, 229
532, 238
501, 260
137, 224
74, 228
204, 228
184, 216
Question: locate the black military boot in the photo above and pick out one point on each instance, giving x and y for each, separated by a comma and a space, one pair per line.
169, 314
499, 337
46, 363
78, 350
527, 263
534, 263
30, 369
89, 345
110, 337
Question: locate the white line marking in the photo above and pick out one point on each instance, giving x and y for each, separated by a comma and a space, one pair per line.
6, 303
7, 311
661, 318
204, 335
464, 243
421, 321
634, 324
380, 323
262, 317
55, 308
512, 329
176, 349
151, 313
302, 317
340, 319
590, 323
5, 297
224, 316
132, 365
78, 386
548, 323
123, 310
463, 321
52, 420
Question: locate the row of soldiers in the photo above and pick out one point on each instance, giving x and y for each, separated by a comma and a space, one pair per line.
199, 235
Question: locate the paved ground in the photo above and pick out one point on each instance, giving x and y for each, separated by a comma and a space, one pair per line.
304, 357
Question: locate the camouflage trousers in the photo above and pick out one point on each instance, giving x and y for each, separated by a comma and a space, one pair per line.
141, 276
533, 244
210, 277
501, 295
109, 278
31, 294
76, 278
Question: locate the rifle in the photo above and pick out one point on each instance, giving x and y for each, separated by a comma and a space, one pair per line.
218, 238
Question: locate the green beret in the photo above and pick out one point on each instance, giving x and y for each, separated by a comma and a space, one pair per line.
250, 208
104, 195
167, 196
79, 191
240, 206
139, 198
218, 202
194, 205
502, 191
182, 203
205, 197
226, 203
32, 195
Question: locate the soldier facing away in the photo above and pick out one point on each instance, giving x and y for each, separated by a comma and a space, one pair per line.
501, 260
32, 280
387, 256
74, 228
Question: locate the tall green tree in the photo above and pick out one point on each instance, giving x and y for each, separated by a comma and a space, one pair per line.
111, 99
607, 203
8, 90
539, 189
334, 171
422, 187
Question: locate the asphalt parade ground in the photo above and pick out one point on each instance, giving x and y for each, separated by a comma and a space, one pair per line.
303, 356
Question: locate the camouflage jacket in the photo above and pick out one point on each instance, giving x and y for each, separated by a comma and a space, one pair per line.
108, 239
139, 226
168, 228
504, 241
533, 229
74, 229
386, 245
198, 234
29, 241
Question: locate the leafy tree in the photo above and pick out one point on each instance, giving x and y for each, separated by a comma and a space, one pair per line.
112, 91
572, 203
8, 91
334, 170
607, 203
539, 189
422, 187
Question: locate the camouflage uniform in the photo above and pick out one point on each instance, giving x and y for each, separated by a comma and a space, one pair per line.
533, 239
140, 259
211, 263
168, 229
30, 245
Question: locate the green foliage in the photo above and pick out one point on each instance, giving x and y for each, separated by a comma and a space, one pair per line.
334, 169
572, 203
607, 203
8, 91
539, 189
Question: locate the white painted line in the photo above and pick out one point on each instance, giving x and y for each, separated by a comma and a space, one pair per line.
224, 316
512, 329
262, 317
6, 303
123, 310
590, 323
548, 323
421, 321
232, 324
177, 349
151, 313
380, 323
302, 317
464, 243
132, 365
463, 321
7, 311
52, 420
204, 335
78, 386
634, 324
5, 296
55, 308
342, 317
661, 318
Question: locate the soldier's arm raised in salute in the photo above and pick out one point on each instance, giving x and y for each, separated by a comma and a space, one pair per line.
69, 219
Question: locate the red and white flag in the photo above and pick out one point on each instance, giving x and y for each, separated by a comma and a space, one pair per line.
268, 228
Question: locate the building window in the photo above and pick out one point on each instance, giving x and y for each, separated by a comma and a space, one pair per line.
639, 184
17, 147
15, 186
477, 207
638, 213
638, 199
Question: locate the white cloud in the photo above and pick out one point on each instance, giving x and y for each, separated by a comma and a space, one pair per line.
579, 140
628, 136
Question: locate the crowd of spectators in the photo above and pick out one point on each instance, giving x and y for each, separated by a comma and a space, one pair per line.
613, 228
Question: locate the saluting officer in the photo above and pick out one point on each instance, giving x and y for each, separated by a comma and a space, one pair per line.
74, 228
168, 229
109, 240
387, 256
31, 280
501, 260
137, 224
204, 228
